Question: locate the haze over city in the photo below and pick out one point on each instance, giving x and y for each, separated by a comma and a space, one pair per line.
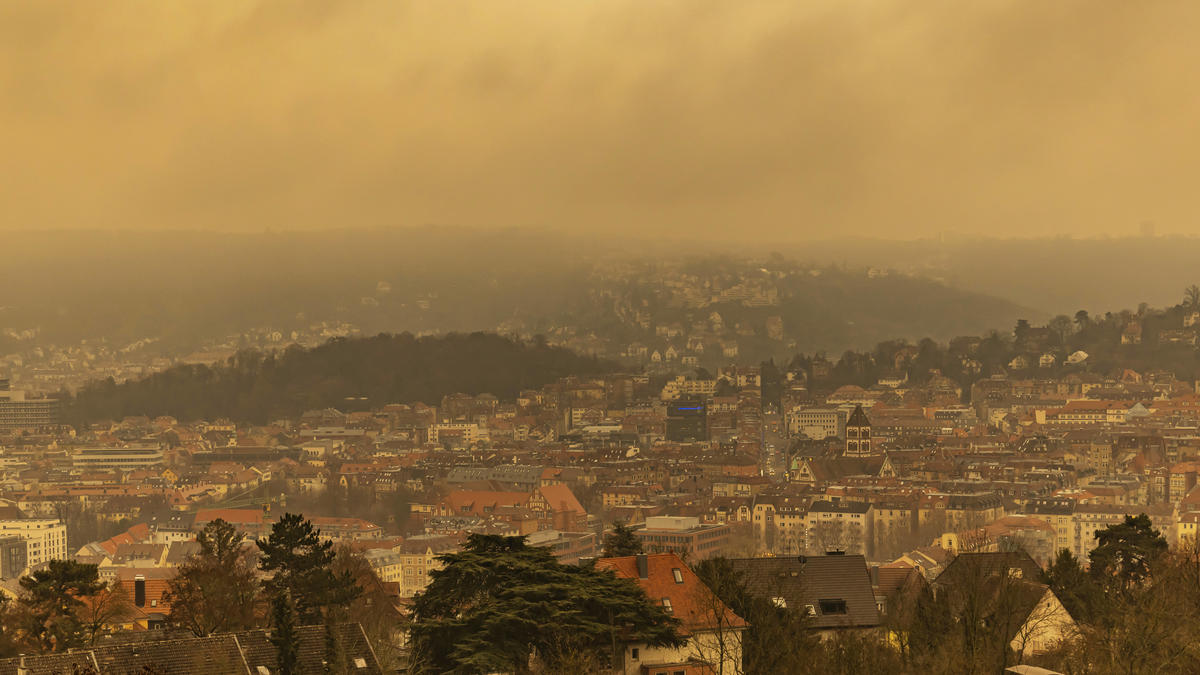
720, 120
619, 337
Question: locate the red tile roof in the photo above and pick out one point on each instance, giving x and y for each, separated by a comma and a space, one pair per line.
691, 601
560, 498
476, 500
231, 516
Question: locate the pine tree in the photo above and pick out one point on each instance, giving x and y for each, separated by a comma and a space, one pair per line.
621, 541
1071, 585
1126, 552
334, 655
301, 564
55, 596
284, 635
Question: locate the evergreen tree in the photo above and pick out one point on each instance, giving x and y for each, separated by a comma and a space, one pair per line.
1126, 552
301, 565
334, 655
1072, 585
498, 602
284, 634
621, 541
55, 596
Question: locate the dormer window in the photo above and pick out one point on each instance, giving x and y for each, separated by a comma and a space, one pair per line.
832, 606
678, 574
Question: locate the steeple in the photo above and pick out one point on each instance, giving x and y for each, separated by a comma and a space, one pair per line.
858, 433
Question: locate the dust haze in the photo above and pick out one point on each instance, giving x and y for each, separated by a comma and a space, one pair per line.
721, 120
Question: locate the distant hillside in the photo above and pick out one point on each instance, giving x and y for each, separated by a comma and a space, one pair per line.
1054, 274
256, 387
170, 293
1148, 341
841, 310
827, 309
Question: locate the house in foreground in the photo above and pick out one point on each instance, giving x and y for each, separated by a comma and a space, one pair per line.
834, 590
712, 630
1003, 591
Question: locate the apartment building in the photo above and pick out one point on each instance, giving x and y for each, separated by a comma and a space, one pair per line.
45, 538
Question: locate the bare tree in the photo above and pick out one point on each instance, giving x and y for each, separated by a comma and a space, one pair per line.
101, 611
719, 642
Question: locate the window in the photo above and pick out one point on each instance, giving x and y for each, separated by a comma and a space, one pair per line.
832, 606
360, 662
666, 603
779, 602
633, 653
678, 575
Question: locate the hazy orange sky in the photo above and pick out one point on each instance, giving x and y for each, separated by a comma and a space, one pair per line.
778, 119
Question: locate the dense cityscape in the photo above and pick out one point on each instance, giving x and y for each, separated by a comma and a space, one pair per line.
878, 484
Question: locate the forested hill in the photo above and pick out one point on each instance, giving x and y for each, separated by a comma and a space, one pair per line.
255, 387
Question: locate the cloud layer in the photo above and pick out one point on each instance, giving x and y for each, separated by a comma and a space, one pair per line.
762, 118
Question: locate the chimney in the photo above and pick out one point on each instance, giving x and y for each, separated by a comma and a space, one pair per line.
139, 591
643, 565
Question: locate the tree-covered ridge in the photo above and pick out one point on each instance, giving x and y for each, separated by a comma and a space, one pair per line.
256, 387
1144, 340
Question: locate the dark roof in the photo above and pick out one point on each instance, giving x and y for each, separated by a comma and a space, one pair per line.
807, 580
970, 568
858, 418
224, 654
49, 664
215, 655
833, 468
352, 642
825, 506
986, 500
1050, 506
985, 581
179, 551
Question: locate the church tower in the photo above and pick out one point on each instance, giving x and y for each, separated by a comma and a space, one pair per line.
858, 433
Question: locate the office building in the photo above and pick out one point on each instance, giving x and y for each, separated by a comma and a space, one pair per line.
19, 411
687, 420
